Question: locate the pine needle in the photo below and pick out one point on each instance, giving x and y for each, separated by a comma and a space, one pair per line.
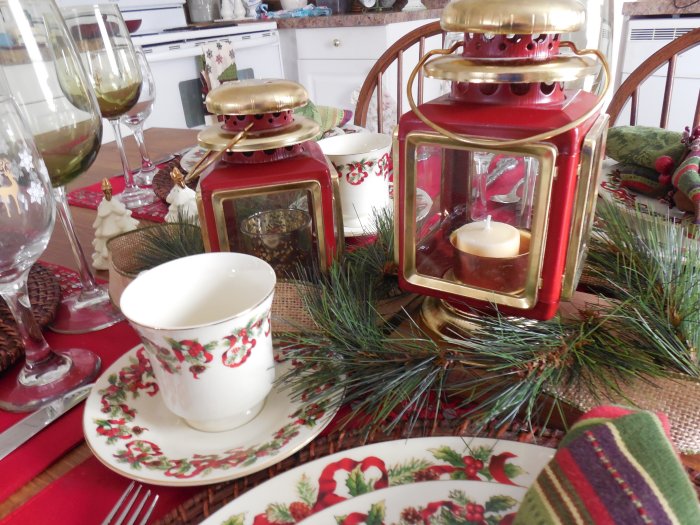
646, 327
166, 242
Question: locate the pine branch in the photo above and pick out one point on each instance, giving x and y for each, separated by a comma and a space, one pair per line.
652, 266
166, 242
647, 327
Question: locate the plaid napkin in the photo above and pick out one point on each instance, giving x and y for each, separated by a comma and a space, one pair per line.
615, 466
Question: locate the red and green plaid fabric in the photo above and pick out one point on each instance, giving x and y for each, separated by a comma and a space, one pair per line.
687, 177
615, 466
640, 179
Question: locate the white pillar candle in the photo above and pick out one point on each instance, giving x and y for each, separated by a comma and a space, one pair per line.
488, 239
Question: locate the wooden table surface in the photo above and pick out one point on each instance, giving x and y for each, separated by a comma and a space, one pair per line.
159, 142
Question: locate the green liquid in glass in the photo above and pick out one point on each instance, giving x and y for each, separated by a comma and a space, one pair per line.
69, 151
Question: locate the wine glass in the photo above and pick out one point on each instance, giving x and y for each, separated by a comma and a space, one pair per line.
42, 71
27, 213
135, 117
108, 55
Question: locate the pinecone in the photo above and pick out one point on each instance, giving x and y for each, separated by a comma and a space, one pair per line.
299, 510
411, 515
426, 475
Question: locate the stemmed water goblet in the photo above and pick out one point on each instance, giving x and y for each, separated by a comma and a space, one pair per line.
42, 71
27, 213
135, 117
108, 56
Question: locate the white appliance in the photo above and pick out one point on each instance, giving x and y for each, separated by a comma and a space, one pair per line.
643, 38
173, 57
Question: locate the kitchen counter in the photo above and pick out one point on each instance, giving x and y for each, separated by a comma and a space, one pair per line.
353, 19
369, 18
660, 8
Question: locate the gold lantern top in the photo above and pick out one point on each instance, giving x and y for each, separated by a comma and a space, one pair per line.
256, 96
509, 41
513, 16
268, 105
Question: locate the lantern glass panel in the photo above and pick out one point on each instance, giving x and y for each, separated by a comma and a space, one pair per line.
487, 206
278, 227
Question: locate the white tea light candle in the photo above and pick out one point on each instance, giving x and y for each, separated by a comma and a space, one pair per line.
488, 239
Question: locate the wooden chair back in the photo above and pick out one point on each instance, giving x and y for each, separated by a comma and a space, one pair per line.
629, 90
395, 54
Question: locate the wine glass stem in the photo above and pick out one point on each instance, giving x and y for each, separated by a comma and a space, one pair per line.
87, 279
146, 164
36, 348
128, 179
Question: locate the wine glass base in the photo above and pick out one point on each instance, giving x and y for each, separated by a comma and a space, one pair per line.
135, 197
18, 397
145, 178
78, 314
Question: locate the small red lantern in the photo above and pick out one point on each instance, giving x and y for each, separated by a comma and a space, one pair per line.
509, 159
273, 194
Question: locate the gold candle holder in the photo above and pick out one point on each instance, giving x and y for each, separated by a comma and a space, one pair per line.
500, 274
282, 237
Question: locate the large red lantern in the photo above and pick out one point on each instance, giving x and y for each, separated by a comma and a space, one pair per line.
273, 194
509, 158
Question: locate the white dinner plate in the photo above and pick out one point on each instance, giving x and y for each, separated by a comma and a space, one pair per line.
427, 502
312, 487
128, 428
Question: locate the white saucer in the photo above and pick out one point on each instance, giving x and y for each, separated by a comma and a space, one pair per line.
191, 158
129, 429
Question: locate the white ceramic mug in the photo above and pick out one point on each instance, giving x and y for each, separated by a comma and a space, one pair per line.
205, 323
363, 163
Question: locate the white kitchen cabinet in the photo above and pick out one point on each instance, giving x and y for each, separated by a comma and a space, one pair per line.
332, 62
331, 82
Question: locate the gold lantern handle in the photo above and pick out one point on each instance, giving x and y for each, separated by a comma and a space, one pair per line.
477, 141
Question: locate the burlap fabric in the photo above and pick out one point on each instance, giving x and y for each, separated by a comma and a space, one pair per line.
676, 397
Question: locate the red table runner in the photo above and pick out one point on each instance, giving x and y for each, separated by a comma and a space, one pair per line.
49, 445
91, 196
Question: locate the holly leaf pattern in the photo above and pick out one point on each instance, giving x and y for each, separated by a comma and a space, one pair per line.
481, 453
500, 503
449, 456
238, 519
356, 483
376, 513
513, 471
459, 496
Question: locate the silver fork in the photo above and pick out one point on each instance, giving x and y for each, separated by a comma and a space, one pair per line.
126, 507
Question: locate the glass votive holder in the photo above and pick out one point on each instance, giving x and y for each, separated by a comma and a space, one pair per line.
282, 237
500, 274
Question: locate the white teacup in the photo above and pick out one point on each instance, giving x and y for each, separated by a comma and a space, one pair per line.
205, 323
363, 163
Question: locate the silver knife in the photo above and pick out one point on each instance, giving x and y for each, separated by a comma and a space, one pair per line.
21, 431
